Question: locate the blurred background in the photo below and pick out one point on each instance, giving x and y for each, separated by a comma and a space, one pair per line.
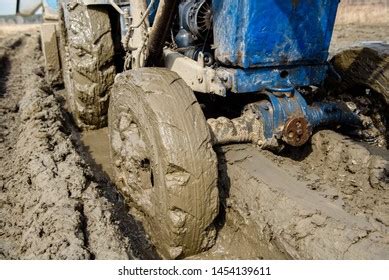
364, 12
8, 11
367, 12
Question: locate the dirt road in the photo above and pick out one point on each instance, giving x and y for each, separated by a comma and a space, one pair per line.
57, 200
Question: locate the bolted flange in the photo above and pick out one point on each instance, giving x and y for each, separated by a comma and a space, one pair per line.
296, 131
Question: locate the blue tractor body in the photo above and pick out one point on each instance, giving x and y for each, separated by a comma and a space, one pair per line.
276, 47
268, 44
273, 44
268, 33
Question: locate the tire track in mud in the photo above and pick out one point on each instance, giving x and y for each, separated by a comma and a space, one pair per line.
51, 204
57, 202
276, 201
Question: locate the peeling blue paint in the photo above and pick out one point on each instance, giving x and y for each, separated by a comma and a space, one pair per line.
252, 33
285, 108
275, 78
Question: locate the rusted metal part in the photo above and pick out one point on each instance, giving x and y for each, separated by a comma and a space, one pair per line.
159, 30
296, 131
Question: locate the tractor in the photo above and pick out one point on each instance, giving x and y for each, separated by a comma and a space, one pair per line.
143, 66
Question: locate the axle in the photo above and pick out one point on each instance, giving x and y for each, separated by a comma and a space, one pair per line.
281, 118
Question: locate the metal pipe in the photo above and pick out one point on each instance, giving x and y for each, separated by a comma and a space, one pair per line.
160, 30
325, 113
17, 6
146, 14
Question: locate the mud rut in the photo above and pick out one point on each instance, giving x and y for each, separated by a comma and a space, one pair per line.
52, 206
328, 201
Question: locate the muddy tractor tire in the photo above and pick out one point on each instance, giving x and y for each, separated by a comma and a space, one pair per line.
163, 159
88, 62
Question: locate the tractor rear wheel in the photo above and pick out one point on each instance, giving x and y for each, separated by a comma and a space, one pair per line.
163, 159
88, 62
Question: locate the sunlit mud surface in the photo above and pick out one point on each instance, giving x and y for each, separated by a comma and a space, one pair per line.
58, 200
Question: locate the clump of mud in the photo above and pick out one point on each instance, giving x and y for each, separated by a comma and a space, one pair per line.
364, 87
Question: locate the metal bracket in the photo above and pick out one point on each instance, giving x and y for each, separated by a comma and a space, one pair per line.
199, 78
104, 2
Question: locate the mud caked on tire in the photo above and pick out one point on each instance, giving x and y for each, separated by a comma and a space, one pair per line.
163, 159
88, 62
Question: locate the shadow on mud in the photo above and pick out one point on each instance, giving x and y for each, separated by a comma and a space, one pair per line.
4, 72
224, 185
7, 47
140, 247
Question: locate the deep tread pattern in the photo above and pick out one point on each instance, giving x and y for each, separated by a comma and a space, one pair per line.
88, 62
179, 210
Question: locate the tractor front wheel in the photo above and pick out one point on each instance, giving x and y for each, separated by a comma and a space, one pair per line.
163, 159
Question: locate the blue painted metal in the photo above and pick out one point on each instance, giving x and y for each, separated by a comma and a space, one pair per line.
275, 46
259, 40
277, 110
153, 10
275, 78
252, 33
323, 113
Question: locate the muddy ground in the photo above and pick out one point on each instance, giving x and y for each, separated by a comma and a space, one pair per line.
52, 204
329, 200
353, 34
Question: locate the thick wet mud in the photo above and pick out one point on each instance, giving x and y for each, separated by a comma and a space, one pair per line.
296, 205
329, 200
52, 203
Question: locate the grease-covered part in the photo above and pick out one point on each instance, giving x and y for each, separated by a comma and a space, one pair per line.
89, 69
364, 65
246, 129
296, 131
163, 159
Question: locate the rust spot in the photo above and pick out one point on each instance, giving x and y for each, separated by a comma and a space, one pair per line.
239, 58
295, 3
296, 131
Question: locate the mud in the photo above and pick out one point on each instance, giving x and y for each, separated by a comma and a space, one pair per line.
52, 206
57, 201
346, 35
330, 202
365, 65
301, 208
